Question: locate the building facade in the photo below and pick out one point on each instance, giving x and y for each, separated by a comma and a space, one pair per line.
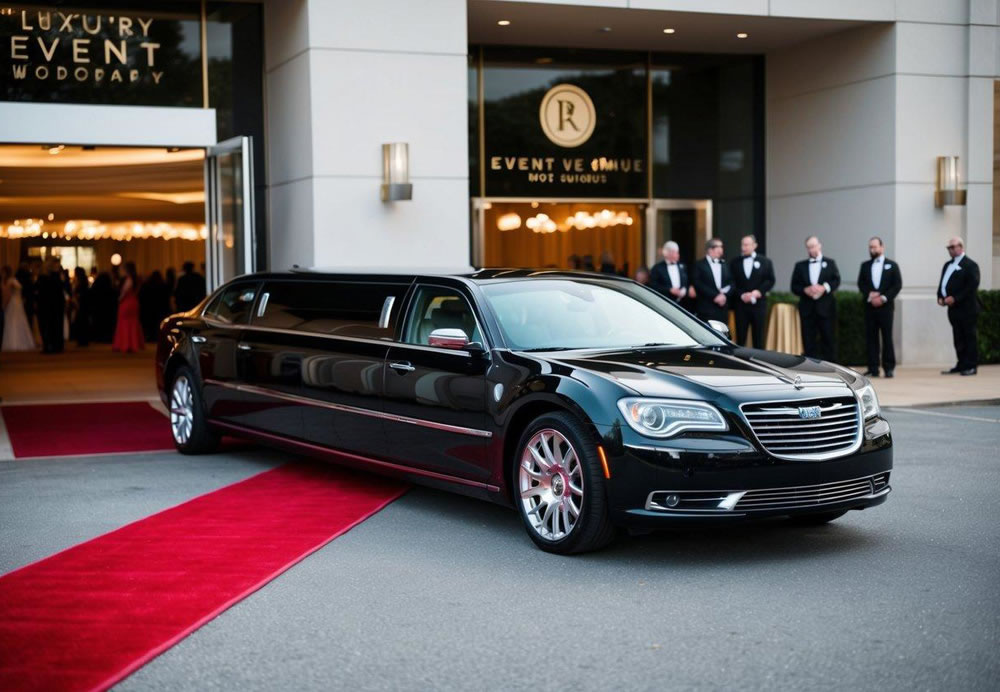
545, 132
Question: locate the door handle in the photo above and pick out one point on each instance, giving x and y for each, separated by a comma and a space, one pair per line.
402, 366
243, 346
198, 339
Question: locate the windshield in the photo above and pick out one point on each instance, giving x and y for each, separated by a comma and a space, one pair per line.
547, 314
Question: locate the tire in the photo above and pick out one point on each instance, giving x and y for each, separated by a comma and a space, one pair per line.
188, 424
817, 519
541, 481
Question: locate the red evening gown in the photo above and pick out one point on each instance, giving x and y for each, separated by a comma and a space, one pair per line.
128, 332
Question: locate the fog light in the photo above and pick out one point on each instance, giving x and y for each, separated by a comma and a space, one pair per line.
672, 500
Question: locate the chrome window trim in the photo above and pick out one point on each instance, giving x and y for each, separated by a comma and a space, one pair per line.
819, 456
262, 304
409, 314
308, 401
383, 318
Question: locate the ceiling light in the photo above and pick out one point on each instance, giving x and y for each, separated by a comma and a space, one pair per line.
742, 35
605, 29
56, 149
504, 22
52, 217
668, 31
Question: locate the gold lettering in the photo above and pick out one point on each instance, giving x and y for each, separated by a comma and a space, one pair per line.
120, 53
567, 164
150, 49
87, 28
638, 166
61, 73
80, 73
42, 72
98, 74
67, 22
156, 77
509, 161
145, 25
522, 163
133, 75
20, 71
80, 48
51, 51
627, 165
18, 43
24, 21
578, 165
495, 163
536, 163
44, 21
124, 26
116, 76
548, 162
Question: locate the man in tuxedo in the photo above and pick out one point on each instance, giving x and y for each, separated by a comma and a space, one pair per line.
958, 291
814, 280
712, 284
190, 288
879, 282
753, 277
669, 276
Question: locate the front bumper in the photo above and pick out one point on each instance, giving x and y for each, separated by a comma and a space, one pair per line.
726, 479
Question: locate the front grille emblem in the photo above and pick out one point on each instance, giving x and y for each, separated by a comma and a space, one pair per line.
807, 412
797, 382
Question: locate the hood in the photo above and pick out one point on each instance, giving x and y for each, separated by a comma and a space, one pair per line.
655, 371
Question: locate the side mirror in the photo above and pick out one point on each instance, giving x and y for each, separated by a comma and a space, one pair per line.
720, 327
454, 339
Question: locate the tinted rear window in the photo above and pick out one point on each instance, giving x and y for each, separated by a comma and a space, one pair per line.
233, 304
326, 307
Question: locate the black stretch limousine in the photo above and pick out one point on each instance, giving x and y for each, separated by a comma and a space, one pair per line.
588, 402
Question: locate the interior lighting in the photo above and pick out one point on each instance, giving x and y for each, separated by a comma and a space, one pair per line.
605, 218
504, 22
116, 259
742, 35
668, 31
92, 229
541, 223
56, 149
509, 222
51, 216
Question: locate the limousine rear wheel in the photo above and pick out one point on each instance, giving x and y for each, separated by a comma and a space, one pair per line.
187, 415
560, 486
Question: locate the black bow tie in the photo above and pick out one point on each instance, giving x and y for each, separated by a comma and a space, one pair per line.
671, 264
747, 256
813, 261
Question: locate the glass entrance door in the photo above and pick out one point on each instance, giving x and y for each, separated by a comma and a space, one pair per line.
687, 222
229, 211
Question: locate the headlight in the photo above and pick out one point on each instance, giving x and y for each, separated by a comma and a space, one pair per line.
869, 401
666, 417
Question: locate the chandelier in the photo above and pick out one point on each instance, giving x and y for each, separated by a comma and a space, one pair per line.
92, 229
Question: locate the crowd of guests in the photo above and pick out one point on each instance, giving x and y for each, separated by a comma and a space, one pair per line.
44, 305
712, 287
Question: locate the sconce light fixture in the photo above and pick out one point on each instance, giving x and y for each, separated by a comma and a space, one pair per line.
396, 172
947, 191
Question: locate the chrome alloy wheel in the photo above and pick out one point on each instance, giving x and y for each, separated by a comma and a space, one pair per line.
181, 410
551, 484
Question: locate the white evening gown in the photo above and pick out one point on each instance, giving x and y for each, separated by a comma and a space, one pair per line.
16, 331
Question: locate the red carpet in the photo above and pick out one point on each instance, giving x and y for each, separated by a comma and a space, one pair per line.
64, 429
87, 617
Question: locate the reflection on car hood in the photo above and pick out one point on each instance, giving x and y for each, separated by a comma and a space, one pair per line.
644, 369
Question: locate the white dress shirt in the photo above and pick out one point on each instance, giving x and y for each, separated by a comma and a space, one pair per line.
814, 269
675, 274
952, 268
716, 266
878, 264
748, 264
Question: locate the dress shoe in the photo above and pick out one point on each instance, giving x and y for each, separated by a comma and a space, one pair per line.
970, 371
871, 373
953, 371
890, 373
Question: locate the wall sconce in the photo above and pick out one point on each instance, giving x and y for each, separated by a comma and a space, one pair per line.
947, 191
396, 172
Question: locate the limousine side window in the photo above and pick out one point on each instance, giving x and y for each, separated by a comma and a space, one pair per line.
232, 305
436, 307
340, 308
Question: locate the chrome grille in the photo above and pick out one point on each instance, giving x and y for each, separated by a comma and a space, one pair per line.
805, 495
811, 429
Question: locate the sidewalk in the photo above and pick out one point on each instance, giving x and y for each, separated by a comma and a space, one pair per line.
923, 386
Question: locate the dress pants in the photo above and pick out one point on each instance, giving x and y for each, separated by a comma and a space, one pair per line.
750, 317
824, 347
878, 321
963, 331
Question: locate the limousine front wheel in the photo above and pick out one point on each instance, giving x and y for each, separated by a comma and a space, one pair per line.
560, 486
187, 416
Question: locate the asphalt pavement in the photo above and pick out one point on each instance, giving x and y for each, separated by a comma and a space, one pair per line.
442, 592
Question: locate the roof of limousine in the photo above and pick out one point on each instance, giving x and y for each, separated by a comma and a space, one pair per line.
470, 273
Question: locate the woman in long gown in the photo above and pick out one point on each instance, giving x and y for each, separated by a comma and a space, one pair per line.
128, 331
17, 334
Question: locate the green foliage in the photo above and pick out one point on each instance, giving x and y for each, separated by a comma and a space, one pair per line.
989, 327
851, 325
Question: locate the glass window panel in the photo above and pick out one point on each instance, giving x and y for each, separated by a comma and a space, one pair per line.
341, 308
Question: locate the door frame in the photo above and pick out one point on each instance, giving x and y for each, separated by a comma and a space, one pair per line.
242, 145
657, 205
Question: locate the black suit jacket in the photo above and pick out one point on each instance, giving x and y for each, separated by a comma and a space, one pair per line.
829, 274
659, 279
761, 279
890, 286
190, 290
963, 286
704, 284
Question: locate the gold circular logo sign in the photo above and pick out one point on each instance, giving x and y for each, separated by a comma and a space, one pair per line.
567, 115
